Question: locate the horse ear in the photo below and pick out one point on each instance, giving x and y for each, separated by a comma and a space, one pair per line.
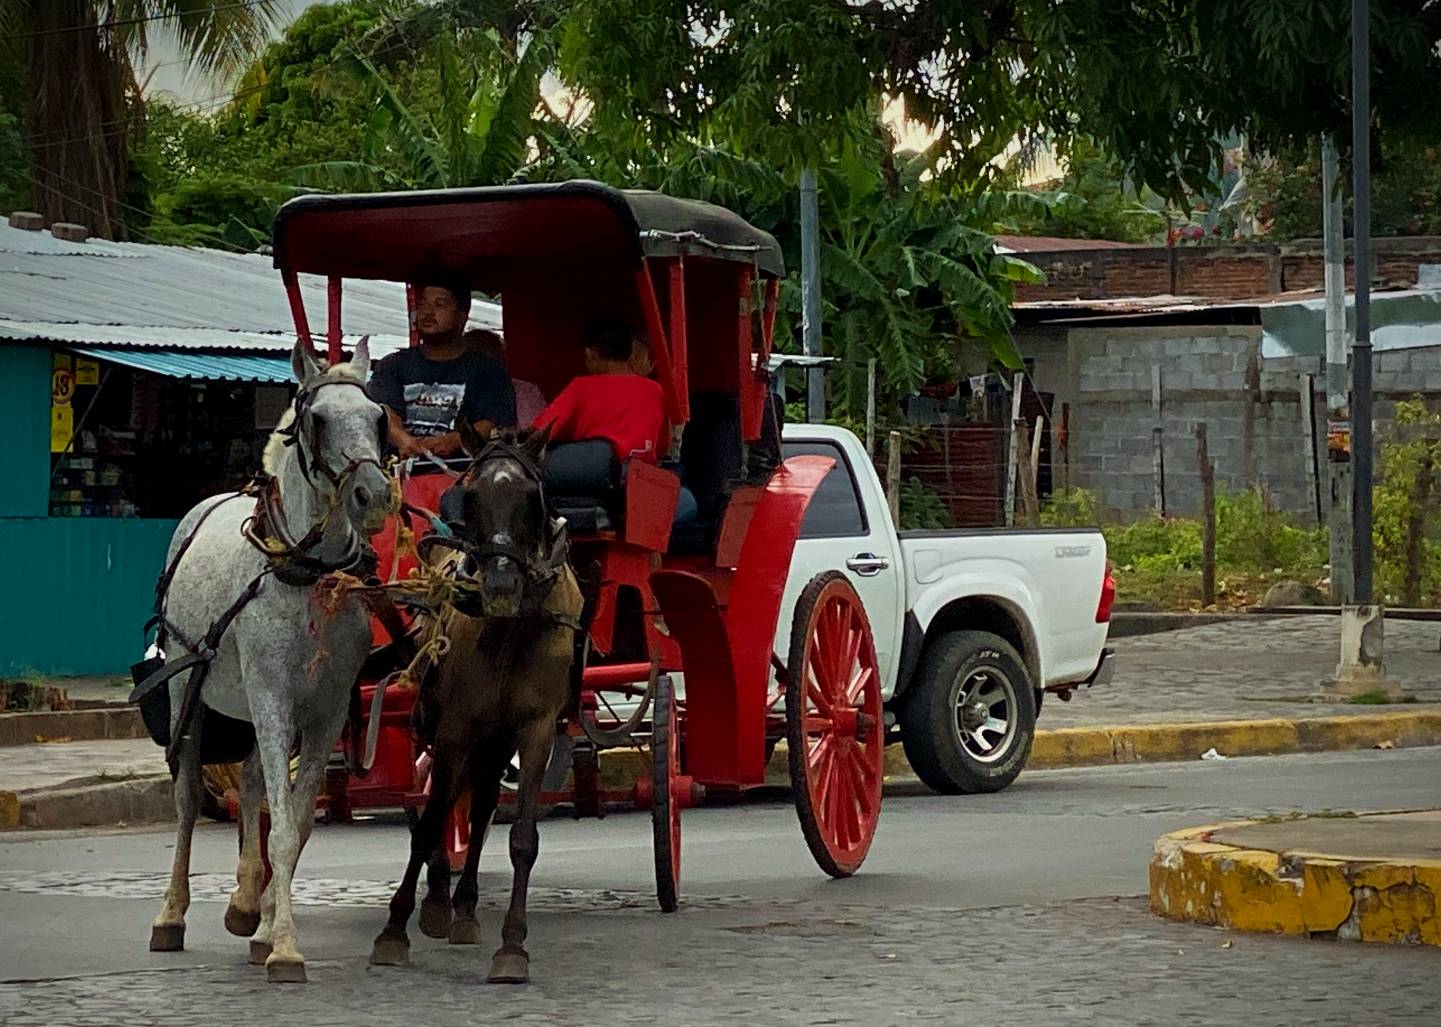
470, 439
360, 359
533, 442
303, 363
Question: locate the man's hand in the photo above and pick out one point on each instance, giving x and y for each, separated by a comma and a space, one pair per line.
443, 446
410, 446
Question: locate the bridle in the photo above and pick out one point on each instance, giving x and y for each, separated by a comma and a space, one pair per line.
268, 528
541, 565
291, 433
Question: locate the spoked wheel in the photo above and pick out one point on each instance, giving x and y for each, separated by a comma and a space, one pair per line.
666, 798
834, 729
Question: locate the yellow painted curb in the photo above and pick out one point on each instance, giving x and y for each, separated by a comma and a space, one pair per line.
9, 810
1145, 743
1196, 880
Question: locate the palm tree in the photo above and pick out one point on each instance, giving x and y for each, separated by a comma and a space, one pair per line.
83, 109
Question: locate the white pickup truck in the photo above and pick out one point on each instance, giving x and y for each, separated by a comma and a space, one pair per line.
972, 626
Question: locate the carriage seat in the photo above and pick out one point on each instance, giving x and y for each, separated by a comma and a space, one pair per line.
583, 484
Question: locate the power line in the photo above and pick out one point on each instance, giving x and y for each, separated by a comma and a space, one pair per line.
137, 20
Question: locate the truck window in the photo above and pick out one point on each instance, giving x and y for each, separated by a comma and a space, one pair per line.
835, 510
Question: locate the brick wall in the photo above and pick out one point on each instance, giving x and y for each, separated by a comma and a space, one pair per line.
1218, 272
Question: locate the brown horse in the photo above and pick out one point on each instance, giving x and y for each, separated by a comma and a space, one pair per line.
499, 691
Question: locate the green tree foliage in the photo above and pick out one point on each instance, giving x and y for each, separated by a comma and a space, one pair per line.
1157, 85
82, 114
1093, 199
1405, 194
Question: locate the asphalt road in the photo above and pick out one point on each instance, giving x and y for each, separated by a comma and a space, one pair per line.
1021, 907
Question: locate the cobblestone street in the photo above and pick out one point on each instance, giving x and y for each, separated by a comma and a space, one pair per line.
1022, 907
1097, 960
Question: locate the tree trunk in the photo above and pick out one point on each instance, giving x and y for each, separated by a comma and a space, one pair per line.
79, 118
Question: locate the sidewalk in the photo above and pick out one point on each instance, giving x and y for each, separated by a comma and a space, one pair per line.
1374, 877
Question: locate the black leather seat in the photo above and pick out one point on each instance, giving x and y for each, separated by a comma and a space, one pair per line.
583, 484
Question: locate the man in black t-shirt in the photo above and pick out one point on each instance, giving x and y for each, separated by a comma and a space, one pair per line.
427, 388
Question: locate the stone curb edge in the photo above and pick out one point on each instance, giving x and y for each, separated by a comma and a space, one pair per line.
1196, 880
71, 725
149, 798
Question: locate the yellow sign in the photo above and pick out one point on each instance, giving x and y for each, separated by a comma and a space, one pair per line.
62, 428
62, 387
87, 372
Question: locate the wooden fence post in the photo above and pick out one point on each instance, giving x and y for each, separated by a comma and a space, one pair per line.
1158, 452
1308, 440
893, 476
871, 408
1208, 518
1030, 508
1013, 444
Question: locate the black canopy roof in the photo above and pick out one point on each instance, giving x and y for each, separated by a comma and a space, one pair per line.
493, 233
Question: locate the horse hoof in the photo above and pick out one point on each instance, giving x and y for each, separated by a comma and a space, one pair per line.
465, 931
167, 938
510, 968
284, 971
241, 923
435, 918
390, 952
259, 952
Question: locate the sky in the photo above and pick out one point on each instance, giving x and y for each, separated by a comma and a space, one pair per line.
170, 75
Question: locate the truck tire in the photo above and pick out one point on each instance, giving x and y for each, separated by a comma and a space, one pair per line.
969, 719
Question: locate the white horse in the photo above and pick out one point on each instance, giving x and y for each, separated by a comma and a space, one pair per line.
288, 660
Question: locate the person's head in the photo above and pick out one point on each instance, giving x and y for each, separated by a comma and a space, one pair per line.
483, 340
609, 343
442, 303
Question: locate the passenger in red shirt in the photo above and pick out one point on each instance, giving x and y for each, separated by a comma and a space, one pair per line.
611, 402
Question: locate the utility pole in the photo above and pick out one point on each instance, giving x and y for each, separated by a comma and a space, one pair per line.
1362, 669
811, 295
1361, 349
1338, 412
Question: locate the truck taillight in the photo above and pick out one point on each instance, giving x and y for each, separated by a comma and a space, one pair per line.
1108, 597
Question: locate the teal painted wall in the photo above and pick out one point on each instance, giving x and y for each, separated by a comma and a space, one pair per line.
24, 430
77, 591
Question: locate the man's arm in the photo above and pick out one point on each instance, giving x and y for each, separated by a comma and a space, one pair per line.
449, 445
405, 443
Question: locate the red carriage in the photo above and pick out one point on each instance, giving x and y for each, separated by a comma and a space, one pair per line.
682, 656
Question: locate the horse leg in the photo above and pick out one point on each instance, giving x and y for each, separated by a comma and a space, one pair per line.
484, 794
167, 933
392, 945
435, 907
511, 964
242, 915
274, 732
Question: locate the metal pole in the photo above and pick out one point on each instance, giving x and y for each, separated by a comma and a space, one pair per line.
811, 295
1338, 406
1361, 350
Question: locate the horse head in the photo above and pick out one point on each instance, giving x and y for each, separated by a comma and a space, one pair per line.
338, 432
505, 525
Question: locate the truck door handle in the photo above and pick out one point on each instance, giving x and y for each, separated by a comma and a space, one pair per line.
867, 564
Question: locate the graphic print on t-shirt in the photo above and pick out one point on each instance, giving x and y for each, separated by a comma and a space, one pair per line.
432, 407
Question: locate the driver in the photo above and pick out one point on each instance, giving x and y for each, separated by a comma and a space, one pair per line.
427, 388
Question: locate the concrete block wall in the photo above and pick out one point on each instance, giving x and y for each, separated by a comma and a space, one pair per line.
1212, 375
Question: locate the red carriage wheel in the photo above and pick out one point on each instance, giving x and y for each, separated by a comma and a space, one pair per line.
834, 729
457, 832
666, 794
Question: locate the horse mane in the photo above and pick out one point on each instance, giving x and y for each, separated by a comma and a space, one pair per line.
275, 445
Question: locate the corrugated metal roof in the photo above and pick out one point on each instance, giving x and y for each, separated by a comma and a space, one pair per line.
201, 366
161, 337
222, 300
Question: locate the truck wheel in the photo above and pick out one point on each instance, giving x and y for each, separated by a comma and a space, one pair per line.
969, 720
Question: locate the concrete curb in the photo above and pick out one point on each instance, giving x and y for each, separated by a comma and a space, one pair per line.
90, 803
148, 798
71, 725
1197, 880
